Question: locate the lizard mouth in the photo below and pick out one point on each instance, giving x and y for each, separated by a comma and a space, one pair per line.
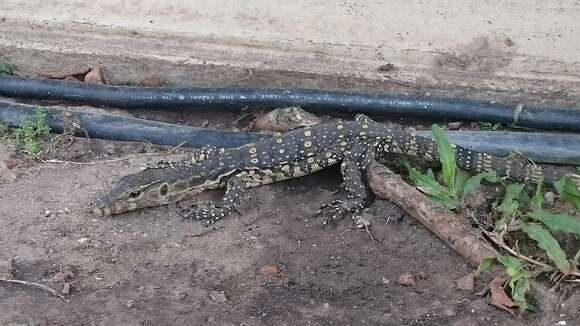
102, 210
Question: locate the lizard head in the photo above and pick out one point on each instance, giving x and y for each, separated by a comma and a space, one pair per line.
135, 191
154, 187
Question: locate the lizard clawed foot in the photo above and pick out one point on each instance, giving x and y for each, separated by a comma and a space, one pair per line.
337, 209
208, 212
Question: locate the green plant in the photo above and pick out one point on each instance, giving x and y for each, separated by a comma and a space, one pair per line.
516, 209
568, 191
518, 278
456, 186
32, 129
7, 69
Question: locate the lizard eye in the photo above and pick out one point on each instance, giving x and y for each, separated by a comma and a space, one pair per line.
135, 193
163, 190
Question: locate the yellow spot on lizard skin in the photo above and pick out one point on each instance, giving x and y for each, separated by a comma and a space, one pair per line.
307, 144
285, 169
315, 167
254, 160
307, 133
339, 126
365, 126
310, 160
281, 151
279, 140
252, 150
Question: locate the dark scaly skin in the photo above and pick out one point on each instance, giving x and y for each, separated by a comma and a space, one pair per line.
352, 144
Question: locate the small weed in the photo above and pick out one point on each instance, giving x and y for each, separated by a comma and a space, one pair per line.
32, 129
518, 211
7, 69
518, 278
456, 186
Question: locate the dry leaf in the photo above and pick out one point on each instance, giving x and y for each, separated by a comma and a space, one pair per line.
499, 298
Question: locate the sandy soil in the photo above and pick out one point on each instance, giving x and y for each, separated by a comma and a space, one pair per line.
152, 268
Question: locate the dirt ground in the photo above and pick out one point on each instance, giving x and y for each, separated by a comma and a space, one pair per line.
151, 267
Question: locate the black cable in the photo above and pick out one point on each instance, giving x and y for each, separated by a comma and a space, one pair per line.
130, 129
312, 100
540, 147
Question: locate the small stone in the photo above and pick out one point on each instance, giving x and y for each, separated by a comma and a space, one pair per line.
47, 213
7, 268
95, 76
449, 313
83, 240
130, 303
270, 270
549, 198
65, 289
386, 281
66, 210
466, 283
218, 296
10, 164
407, 280
386, 67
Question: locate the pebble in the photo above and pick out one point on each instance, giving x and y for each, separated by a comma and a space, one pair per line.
83, 240
466, 283
218, 296
270, 270
65, 289
94, 76
407, 280
47, 213
549, 198
449, 313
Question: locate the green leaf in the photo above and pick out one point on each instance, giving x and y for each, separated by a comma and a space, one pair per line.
460, 179
558, 222
484, 265
431, 174
538, 198
475, 181
576, 260
519, 290
446, 157
513, 266
547, 242
7, 69
568, 191
428, 185
510, 204
500, 224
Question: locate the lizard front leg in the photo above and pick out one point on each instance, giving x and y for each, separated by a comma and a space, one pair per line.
353, 191
235, 189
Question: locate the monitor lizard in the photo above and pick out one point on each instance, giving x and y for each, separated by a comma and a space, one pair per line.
299, 152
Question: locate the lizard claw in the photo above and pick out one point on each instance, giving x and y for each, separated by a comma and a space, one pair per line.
337, 209
208, 212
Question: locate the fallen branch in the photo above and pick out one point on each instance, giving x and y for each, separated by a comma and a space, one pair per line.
449, 227
37, 285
